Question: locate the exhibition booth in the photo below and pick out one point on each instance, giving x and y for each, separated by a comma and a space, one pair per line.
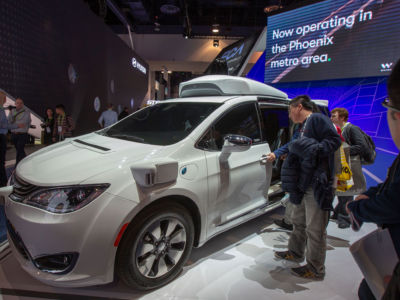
177, 200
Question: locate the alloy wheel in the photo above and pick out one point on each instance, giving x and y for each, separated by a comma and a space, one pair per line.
160, 247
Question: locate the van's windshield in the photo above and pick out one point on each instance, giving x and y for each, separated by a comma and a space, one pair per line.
162, 124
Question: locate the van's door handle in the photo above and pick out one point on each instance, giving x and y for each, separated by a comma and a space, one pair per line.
263, 159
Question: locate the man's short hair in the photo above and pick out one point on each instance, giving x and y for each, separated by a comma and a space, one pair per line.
342, 112
110, 105
305, 101
393, 86
61, 106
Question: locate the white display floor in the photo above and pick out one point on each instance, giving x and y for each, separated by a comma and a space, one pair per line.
238, 264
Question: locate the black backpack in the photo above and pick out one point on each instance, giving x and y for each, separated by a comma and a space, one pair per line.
368, 157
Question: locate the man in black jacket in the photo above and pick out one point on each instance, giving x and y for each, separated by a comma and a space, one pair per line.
355, 139
307, 174
381, 204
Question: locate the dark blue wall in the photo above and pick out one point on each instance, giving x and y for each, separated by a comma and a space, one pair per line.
40, 42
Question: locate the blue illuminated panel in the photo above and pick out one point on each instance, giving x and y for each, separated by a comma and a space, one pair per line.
333, 39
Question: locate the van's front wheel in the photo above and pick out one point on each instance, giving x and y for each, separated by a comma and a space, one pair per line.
155, 248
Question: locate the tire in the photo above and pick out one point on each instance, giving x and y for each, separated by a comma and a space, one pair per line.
155, 247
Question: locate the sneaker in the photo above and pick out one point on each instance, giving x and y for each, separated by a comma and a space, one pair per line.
281, 223
287, 255
307, 273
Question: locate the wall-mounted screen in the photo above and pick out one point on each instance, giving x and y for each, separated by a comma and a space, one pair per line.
333, 39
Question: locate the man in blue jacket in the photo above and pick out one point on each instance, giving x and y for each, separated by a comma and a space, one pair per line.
381, 204
307, 174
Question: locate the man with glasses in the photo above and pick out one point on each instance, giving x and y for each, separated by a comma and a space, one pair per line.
307, 175
381, 204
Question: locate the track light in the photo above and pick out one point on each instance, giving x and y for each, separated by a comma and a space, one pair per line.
215, 28
216, 43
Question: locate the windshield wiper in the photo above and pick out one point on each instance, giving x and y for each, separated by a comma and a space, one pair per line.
128, 137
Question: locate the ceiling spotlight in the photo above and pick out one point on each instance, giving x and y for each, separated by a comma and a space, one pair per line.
216, 43
215, 28
273, 5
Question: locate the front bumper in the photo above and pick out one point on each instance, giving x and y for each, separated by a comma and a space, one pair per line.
88, 234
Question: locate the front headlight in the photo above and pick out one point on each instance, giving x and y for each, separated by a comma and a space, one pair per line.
65, 199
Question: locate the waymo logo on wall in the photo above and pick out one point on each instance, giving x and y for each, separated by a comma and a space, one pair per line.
138, 65
386, 67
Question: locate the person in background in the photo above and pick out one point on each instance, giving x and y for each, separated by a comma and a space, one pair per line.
20, 115
63, 125
4, 127
355, 139
123, 113
48, 126
108, 117
381, 204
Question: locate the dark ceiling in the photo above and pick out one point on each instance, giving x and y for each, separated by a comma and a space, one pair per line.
193, 18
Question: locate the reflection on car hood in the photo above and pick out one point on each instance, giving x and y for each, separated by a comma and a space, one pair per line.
71, 162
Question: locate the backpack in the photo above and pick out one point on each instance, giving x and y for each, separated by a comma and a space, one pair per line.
368, 157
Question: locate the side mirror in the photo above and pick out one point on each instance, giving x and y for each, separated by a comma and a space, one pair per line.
236, 143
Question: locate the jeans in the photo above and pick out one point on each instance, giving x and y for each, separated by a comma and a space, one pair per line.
19, 141
309, 232
3, 149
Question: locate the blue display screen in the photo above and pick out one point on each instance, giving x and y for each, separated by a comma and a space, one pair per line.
333, 39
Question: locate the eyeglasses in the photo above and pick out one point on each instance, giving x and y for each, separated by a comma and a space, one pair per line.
386, 104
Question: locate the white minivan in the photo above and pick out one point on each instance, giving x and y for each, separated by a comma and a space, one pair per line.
134, 198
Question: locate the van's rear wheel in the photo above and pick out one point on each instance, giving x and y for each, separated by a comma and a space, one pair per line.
155, 247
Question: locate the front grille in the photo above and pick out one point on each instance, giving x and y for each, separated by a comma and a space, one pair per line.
21, 189
17, 240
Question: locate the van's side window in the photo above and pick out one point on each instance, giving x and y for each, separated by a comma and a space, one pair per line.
241, 120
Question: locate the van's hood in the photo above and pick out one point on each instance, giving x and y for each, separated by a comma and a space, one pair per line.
75, 160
